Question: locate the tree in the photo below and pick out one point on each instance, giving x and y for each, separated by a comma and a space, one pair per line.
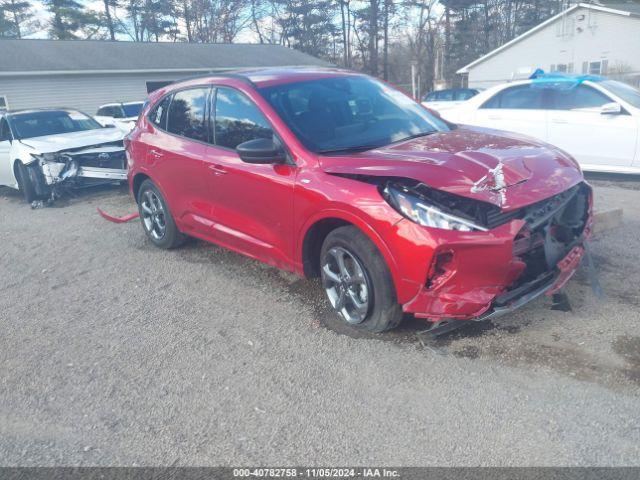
68, 17
16, 18
108, 5
307, 26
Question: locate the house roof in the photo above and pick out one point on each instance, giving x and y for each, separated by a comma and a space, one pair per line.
624, 9
94, 56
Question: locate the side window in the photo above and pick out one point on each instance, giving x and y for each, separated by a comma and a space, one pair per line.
445, 96
158, 114
463, 95
117, 112
578, 97
187, 114
5, 133
523, 97
430, 97
103, 112
238, 119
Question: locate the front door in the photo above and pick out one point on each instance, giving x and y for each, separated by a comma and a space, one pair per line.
577, 125
254, 203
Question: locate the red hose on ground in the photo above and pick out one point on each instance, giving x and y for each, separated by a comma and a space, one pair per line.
113, 219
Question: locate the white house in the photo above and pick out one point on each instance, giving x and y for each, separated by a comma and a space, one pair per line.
585, 38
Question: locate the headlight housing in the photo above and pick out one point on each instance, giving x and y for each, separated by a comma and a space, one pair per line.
420, 211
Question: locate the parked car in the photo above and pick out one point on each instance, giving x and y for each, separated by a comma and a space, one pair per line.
595, 120
334, 174
41, 150
449, 98
120, 115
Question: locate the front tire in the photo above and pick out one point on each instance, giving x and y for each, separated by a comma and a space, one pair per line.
25, 184
357, 281
156, 219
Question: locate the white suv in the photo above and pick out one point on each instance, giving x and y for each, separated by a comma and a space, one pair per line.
595, 120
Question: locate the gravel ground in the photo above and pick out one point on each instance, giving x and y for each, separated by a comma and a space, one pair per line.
116, 353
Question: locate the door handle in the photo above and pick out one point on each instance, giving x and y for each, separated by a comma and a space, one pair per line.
559, 120
217, 169
155, 153
495, 117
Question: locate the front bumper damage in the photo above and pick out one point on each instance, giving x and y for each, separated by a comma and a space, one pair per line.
490, 274
85, 166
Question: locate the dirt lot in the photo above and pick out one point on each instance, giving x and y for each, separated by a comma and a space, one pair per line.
114, 352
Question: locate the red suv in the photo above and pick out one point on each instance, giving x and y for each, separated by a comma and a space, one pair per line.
334, 174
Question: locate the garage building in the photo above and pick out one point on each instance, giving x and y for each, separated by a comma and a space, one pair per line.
85, 74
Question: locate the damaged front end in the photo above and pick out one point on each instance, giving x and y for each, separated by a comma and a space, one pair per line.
490, 261
85, 166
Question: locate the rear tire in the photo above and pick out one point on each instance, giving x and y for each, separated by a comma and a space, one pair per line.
358, 282
157, 221
25, 185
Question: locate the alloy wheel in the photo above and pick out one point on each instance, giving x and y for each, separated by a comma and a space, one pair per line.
346, 283
153, 215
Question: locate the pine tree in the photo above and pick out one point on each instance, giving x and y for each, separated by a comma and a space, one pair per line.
17, 18
308, 26
68, 16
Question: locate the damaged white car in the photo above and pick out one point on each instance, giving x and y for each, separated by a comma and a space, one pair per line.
45, 151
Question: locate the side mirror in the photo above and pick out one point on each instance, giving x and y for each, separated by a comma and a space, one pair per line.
612, 108
108, 125
261, 150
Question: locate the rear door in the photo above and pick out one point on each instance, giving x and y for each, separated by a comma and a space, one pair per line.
175, 156
254, 203
577, 125
520, 109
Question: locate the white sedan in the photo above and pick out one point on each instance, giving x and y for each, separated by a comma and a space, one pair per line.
44, 150
595, 120
121, 115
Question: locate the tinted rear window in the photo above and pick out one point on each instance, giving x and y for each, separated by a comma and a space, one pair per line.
187, 114
523, 97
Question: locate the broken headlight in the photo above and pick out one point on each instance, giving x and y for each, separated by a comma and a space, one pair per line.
420, 211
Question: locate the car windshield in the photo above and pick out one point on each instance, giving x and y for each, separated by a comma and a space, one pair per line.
349, 113
51, 122
132, 109
624, 91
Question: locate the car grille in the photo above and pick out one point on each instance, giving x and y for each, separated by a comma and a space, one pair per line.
534, 213
102, 160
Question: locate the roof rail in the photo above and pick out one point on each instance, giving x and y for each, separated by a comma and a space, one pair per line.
235, 75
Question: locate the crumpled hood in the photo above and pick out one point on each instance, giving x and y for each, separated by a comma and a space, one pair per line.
73, 140
505, 169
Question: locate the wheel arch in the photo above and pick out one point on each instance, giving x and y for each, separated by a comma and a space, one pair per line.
318, 227
137, 182
14, 170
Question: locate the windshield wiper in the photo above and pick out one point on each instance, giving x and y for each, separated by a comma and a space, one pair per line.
415, 135
364, 148
355, 148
